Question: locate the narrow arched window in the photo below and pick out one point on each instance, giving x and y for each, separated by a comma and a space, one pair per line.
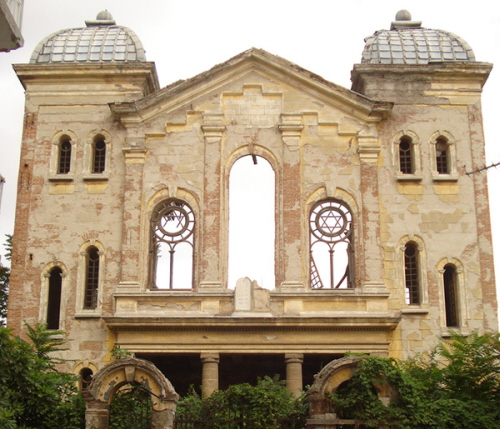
64, 159
91, 277
172, 246
412, 280
450, 296
54, 298
99, 155
442, 156
406, 164
332, 253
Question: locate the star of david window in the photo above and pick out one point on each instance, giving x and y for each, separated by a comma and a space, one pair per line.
172, 246
331, 237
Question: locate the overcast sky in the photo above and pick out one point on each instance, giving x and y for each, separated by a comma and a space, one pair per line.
186, 37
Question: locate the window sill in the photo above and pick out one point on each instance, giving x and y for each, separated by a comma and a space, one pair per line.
445, 177
88, 315
408, 177
61, 178
95, 177
416, 310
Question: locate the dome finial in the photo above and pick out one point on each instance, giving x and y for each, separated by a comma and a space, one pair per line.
403, 15
102, 18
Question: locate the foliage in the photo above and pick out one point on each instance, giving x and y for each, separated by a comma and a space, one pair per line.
456, 386
261, 406
118, 353
33, 394
131, 408
4, 282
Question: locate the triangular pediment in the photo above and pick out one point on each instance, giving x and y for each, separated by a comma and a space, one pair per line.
296, 89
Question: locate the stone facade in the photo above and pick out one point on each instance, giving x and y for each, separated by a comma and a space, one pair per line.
86, 236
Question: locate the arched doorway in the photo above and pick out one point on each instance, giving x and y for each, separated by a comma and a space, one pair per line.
108, 381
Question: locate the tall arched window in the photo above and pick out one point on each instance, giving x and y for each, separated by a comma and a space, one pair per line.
332, 252
91, 277
412, 277
406, 163
252, 221
451, 296
442, 155
99, 155
172, 246
64, 156
54, 298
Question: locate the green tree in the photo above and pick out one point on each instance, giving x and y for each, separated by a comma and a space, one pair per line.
33, 393
4, 281
456, 386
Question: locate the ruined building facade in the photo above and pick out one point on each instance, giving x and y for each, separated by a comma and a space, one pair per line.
382, 242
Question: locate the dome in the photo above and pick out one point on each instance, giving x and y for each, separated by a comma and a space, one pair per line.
408, 43
102, 41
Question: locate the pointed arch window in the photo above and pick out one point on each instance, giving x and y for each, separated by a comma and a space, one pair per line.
451, 296
99, 155
92, 260
412, 277
172, 246
64, 158
54, 299
332, 253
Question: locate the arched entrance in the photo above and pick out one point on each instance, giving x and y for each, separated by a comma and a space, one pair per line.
109, 379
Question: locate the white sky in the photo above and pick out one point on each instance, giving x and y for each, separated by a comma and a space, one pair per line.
186, 37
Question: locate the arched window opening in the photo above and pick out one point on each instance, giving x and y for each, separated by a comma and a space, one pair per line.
86, 375
406, 164
412, 281
54, 298
99, 155
172, 246
332, 252
64, 161
451, 296
442, 155
91, 278
252, 221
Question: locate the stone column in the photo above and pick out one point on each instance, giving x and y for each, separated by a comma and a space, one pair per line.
210, 373
294, 372
210, 273
289, 275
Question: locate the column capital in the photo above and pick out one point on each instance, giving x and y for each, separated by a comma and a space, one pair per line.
294, 357
209, 357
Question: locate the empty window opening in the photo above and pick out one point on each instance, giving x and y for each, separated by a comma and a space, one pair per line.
332, 253
172, 246
450, 296
252, 221
91, 278
412, 282
406, 156
64, 162
99, 156
54, 299
442, 156
86, 375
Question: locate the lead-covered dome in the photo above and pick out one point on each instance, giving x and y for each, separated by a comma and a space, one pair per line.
408, 43
102, 41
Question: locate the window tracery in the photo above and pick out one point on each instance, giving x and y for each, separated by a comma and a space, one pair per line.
331, 246
172, 246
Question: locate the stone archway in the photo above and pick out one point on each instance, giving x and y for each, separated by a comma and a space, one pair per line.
109, 379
